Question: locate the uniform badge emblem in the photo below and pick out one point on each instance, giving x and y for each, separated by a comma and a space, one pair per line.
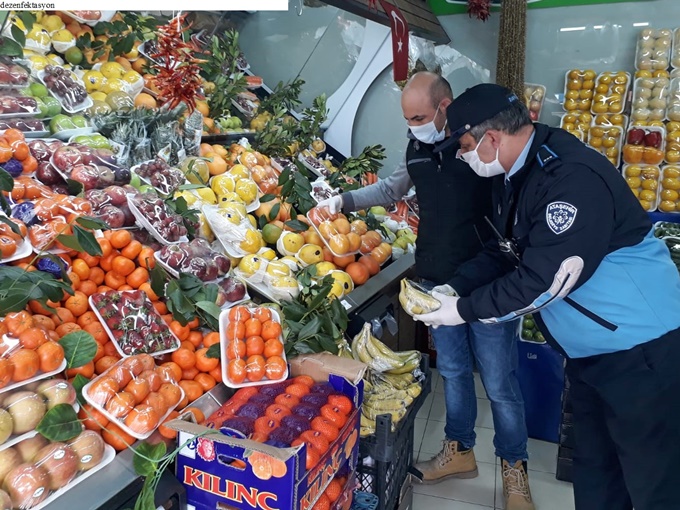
560, 216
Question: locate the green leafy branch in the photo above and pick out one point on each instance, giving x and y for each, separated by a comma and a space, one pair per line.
278, 135
315, 321
296, 188
286, 96
220, 67
312, 119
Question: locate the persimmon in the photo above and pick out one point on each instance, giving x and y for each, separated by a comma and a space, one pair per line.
32, 338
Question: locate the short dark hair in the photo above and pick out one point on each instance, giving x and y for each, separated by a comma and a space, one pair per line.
510, 121
440, 89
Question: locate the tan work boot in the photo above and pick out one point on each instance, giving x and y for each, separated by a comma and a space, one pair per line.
516, 487
451, 462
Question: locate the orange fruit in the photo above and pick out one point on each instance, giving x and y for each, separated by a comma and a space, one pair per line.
358, 273
147, 361
77, 304
81, 268
98, 332
187, 345
106, 263
139, 388
42, 322
198, 414
211, 338
239, 314
102, 390
265, 425
195, 338
190, 373
273, 347
253, 327
206, 381
51, 355
120, 404
275, 368
271, 329
120, 238
312, 460
255, 367
122, 266
117, 437
110, 350
142, 419
32, 338
114, 280
97, 275
87, 287
242, 395
104, 363
146, 288
181, 332
184, 358
157, 401
304, 379
8, 246
165, 431
160, 307
203, 363
277, 411
18, 322
87, 370
236, 331
105, 246
92, 419
171, 393
132, 250
137, 277
135, 364
67, 328
236, 349
216, 373
317, 440
26, 364
6, 372
192, 390
334, 490
254, 345
152, 377
146, 258
263, 314
236, 370
174, 371
326, 427
343, 261
343, 403
297, 389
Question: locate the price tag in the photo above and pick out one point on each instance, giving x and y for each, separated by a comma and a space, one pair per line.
345, 304
165, 152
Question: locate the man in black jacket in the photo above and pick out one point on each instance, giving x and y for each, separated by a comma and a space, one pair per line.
453, 202
576, 249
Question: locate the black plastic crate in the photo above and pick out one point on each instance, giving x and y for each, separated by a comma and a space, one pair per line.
381, 445
385, 457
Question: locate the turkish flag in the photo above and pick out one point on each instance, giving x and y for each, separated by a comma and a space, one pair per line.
399, 40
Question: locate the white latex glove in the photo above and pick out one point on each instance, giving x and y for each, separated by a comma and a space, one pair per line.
334, 204
445, 289
447, 315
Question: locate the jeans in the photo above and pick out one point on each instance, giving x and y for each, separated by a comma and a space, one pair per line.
494, 348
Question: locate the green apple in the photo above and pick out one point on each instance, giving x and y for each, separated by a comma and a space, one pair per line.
42, 108
378, 210
53, 105
135, 181
79, 121
61, 123
39, 90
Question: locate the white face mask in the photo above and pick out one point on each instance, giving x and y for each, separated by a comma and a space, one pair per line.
427, 133
478, 166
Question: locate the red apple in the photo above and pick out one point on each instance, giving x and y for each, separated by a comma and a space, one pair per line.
27, 485
66, 157
60, 462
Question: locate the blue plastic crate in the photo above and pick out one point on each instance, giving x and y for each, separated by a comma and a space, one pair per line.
364, 501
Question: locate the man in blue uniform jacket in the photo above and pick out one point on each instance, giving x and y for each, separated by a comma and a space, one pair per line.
576, 249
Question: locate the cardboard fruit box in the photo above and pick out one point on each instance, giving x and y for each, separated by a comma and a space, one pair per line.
273, 478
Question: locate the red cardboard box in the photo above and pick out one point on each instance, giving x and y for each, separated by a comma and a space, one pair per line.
212, 483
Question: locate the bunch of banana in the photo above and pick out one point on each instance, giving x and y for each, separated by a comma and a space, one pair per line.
344, 349
368, 349
415, 301
387, 394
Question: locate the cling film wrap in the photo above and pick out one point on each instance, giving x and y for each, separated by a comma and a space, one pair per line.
415, 301
15, 104
163, 177
40, 471
252, 347
166, 226
135, 394
23, 408
653, 50
109, 204
196, 258
231, 226
13, 75
133, 323
335, 231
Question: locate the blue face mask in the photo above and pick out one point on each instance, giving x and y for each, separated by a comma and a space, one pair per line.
427, 133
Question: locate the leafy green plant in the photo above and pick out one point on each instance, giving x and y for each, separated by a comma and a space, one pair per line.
286, 96
296, 187
315, 321
355, 168
14, 46
278, 135
220, 67
311, 120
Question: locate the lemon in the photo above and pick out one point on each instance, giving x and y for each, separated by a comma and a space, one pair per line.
239, 172
133, 54
290, 243
38, 62
94, 81
344, 280
291, 262
247, 190
278, 269
207, 195
239, 210
252, 220
230, 196
52, 23
39, 36
112, 70
64, 36
323, 268
114, 85
98, 96
310, 254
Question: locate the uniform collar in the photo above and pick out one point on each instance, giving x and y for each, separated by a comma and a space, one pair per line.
522, 159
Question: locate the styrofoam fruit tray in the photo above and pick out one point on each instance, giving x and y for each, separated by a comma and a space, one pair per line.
144, 223
121, 422
325, 242
24, 249
230, 246
115, 341
224, 323
66, 134
68, 109
13, 343
107, 458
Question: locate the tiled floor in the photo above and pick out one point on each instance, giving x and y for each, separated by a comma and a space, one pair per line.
486, 491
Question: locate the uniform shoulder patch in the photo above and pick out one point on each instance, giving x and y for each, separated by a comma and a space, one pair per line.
560, 216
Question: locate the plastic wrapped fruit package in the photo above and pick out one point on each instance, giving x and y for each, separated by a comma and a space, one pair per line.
643, 181
13, 75
252, 345
335, 231
26, 125
653, 50
44, 236
610, 92
614, 119
66, 87
196, 258
135, 394
608, 141
229, 222
166, 226
675, 51
110, 204
579, 89
644, 145
669, 199
672, 142
650, 99
17, 105
12, 244
578, 124
37, 471
164, 178
133, 323
252, 268
673, 111
534, 95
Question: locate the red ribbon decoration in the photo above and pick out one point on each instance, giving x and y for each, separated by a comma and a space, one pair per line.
399, 27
